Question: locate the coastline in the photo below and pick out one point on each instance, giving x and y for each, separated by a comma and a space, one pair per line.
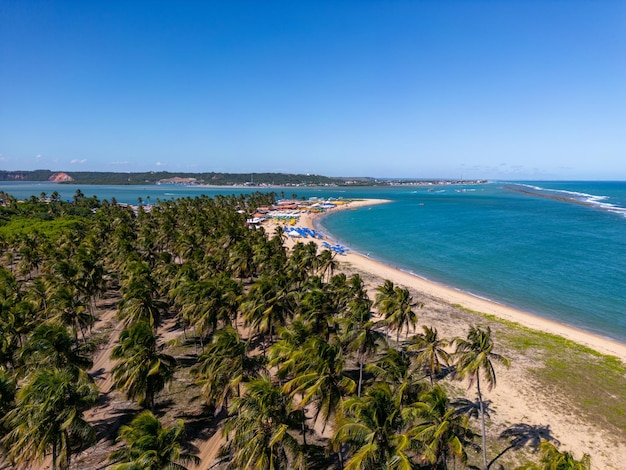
550, 405
452, 296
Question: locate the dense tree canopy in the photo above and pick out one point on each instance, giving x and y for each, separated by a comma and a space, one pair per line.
294, 360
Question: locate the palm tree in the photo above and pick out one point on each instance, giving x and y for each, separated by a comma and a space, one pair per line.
51, 345
122, 238
206, 303
141, 371
318, 308
474, 357
393, 367
553, 459
7, 397
9, 286
242, 260
352, 297
48, 417
285, 353
320, 377
91, 281
327, 264
270, 255
374, 427
269, 304
403, 315
31, 254
259, 426
78, 196
17, 320
68, 309
150, 446
364, 341
140, 292
442, 434
141, 307
224, 366
303, 262
431, 353
40, 292
385, 297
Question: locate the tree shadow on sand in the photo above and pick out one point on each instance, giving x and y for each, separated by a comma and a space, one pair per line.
108, 426
201, 426
522, 435
471, 408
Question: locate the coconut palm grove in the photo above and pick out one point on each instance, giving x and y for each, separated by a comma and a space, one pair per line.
220, 333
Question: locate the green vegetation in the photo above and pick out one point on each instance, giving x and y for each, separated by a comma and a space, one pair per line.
152, 177
22, 226
553, 459
475, 359
283, 353
150, 446
594, 381
213, 178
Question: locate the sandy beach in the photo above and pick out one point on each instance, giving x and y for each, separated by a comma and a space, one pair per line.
515, 399
468, 301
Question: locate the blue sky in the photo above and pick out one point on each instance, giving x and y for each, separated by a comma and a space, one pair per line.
420, 89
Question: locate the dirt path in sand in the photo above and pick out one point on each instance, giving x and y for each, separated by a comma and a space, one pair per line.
106, 416
113, 410
102, 364
207, 451
103, 415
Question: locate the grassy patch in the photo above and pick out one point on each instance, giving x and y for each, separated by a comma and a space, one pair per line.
101, 337
591, 384
52, 228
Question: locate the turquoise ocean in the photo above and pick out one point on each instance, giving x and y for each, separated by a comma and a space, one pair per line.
555, 249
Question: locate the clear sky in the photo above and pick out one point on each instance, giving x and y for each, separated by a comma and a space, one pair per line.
421, 89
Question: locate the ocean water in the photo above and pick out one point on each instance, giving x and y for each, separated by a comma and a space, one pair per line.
555, 249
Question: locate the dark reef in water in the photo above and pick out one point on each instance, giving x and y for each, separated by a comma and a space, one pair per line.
571, 200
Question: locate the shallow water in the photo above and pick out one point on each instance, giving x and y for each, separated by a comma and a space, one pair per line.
558, 249
561, 260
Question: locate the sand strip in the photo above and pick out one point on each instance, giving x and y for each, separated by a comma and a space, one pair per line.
466, 300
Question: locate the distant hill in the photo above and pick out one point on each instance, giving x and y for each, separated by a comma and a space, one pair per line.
165, 177
216, 179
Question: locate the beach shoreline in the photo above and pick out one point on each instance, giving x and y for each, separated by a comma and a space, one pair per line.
466, 300
523, 397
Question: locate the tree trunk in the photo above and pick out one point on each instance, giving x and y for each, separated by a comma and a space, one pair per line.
482, 421
68, 452
360, 375
54, 455
92, 313
82, 333
150, 397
